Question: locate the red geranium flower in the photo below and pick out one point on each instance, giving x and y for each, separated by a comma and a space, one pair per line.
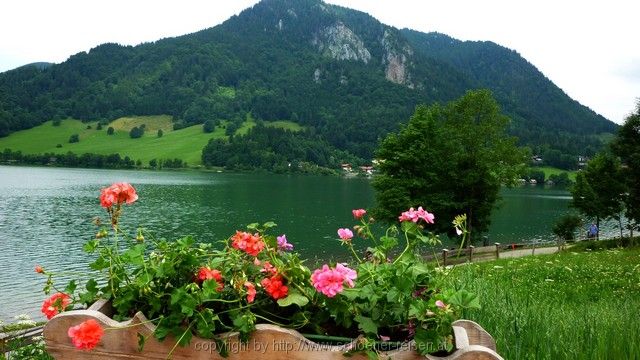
274, 287
86, 335
117, 194
206, 273
56, 303
251, 244
39, 269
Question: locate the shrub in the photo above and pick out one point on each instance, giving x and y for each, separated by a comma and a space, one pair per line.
566, 226
136, 132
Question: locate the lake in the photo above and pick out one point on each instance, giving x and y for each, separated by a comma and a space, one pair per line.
46, 215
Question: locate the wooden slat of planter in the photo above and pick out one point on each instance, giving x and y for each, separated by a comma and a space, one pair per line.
268, 342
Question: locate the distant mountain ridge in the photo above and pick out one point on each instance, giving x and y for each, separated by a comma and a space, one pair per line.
340, 72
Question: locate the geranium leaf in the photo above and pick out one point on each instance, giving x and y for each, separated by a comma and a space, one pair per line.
367, 325
465, 299
294, 297
269, 225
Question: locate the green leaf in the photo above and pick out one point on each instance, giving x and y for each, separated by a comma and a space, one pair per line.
366, 325
426, 341
269, 225
134, 255
294, 297
71, 287
351, 294
253, 226
388, 242
99, 264
210, 289
465, 299
205, 324
420, 269
92, 285
185, 338
90, 246
393, 295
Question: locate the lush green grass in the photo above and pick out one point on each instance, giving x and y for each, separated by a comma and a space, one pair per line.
548, 171
185, 144
572, 305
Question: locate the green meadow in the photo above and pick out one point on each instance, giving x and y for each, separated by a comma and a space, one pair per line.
571, 305
185, 144
548, 171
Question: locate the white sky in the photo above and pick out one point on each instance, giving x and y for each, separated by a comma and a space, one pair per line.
588, 48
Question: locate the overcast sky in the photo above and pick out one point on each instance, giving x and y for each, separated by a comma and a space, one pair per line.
588, 48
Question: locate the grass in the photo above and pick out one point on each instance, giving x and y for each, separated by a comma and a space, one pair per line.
571, 305
185, 144
548, 171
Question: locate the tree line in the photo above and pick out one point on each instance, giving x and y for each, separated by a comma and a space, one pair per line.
609, 186
86, 160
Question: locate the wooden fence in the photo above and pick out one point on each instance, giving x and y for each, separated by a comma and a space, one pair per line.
19, 338
484, 253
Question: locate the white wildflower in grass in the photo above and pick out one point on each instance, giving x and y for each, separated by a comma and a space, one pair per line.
26, 323
23, 317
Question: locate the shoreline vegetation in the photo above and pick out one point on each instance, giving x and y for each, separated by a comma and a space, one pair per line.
115, 162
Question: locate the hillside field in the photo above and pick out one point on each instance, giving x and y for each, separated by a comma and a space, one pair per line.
185, 144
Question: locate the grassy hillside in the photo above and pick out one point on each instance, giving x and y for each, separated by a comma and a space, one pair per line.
185, 144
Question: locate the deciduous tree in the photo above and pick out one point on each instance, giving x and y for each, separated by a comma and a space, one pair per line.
450, 159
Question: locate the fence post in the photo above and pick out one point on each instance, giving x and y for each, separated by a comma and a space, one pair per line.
497, 250
471, 247
444, 257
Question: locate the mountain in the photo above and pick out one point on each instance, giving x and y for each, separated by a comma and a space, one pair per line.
340, 73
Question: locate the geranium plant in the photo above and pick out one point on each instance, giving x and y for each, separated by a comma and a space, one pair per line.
388, 293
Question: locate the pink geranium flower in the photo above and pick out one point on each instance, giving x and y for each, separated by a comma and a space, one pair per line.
330, 281
345, 234
416, 215
358, 213
283, 244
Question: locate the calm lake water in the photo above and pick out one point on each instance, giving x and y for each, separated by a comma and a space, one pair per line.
46, 216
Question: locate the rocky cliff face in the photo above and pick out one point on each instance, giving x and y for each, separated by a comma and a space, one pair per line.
396, 60
341, 43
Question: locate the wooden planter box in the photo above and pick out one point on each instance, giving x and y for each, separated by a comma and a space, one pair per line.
269, 342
